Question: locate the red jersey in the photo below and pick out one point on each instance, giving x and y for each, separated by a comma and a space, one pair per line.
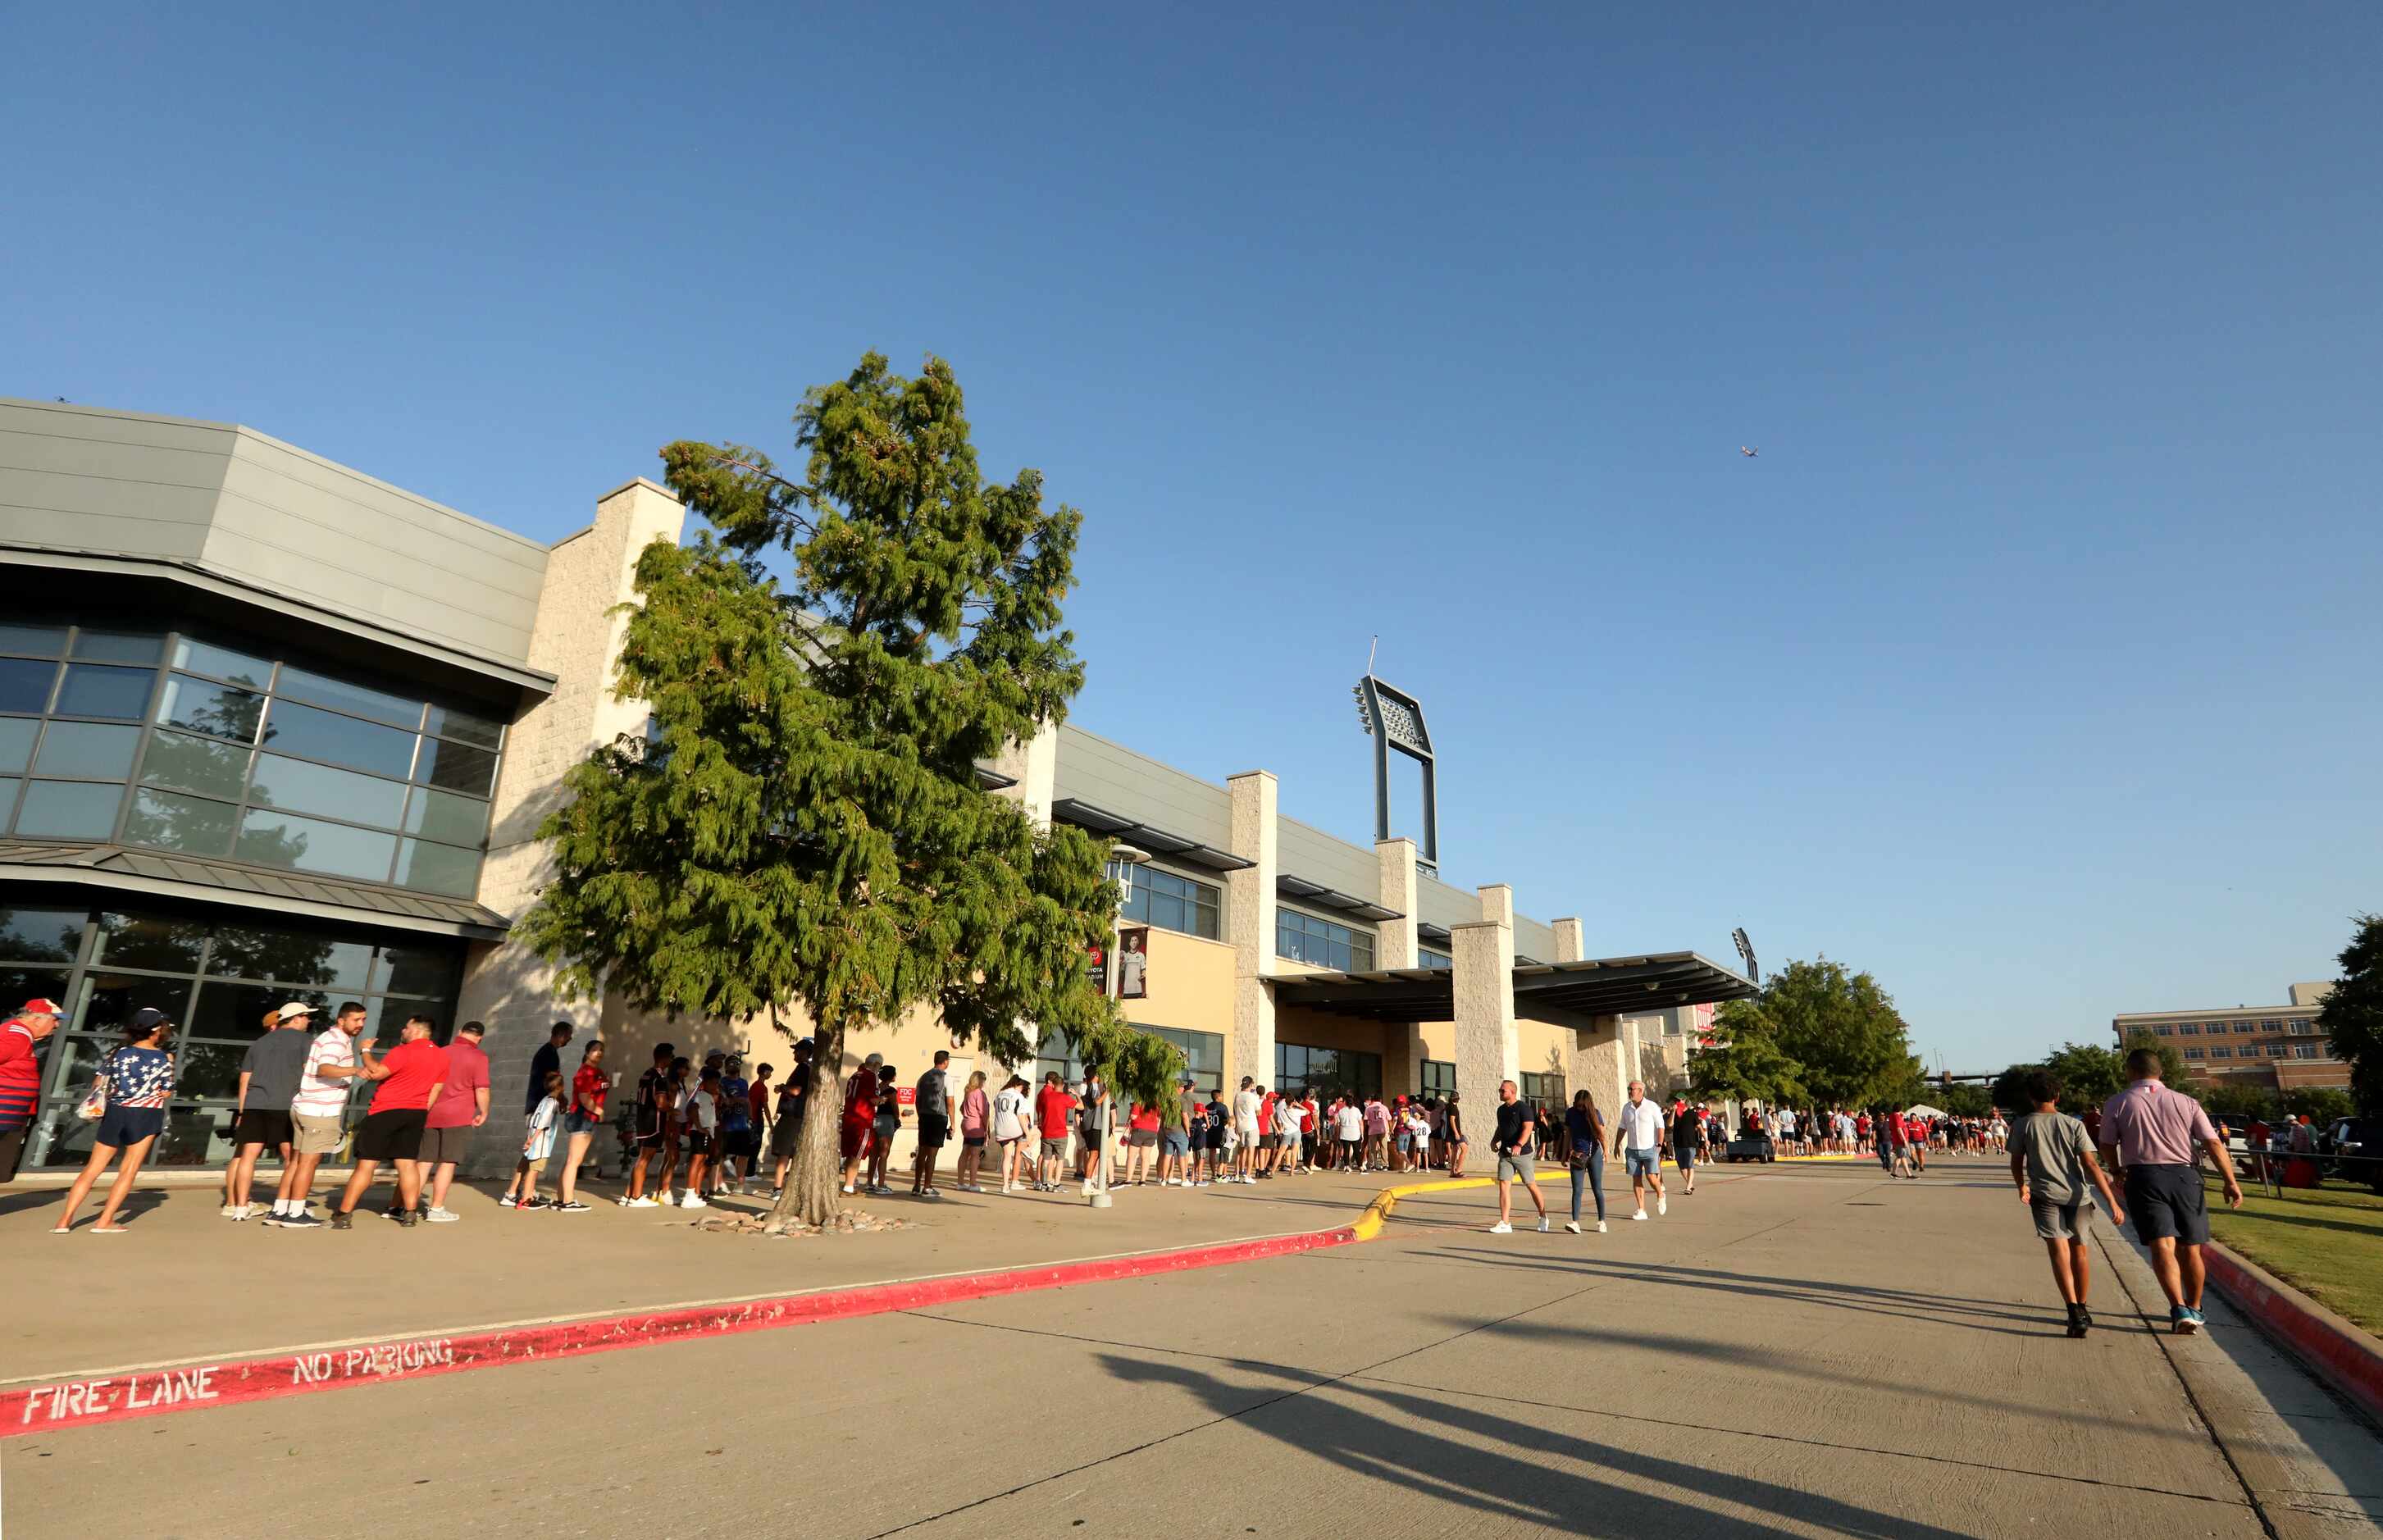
588, 1089
413, 1067
1051, 1105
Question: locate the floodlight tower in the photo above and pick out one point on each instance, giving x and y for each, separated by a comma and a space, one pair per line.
1393, 719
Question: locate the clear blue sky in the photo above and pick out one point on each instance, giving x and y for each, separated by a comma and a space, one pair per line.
2032, 666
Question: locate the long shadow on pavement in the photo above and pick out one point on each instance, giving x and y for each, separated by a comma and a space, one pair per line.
1904, 1304
1393, 1443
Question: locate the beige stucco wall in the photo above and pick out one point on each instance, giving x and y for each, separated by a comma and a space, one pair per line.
1190, 983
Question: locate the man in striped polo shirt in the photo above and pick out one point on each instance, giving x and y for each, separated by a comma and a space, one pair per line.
20, 1079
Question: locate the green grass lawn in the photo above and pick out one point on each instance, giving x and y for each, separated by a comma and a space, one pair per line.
2328, 1242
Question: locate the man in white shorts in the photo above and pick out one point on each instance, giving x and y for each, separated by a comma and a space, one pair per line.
1245, 1132
1638, 1139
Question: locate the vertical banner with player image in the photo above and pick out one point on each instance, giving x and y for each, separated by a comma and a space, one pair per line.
1133, 963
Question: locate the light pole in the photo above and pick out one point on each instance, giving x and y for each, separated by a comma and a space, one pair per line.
1124, 857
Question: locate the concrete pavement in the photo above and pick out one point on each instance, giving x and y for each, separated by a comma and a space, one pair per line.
1802, 1351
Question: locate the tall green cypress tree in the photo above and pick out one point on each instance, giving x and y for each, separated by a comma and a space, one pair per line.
805, 828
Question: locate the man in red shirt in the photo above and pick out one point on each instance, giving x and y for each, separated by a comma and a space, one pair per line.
20, 1077
408, 1081
1053, 1108
463, 1105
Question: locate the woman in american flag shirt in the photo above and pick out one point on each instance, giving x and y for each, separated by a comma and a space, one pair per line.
133, 1084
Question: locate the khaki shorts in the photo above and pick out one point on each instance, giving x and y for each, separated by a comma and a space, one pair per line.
318, 1136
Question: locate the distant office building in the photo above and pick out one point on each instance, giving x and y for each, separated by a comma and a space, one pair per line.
2278, 1046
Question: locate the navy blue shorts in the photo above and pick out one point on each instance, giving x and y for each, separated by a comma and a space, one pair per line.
123, 1126
2165, 1201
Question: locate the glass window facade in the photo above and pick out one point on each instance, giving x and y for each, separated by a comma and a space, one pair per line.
1546, 1091
1170, 902
1305, 938
216, 747
1439, 1078
2196, 1052
1427, 957
216, 977
1203, 1051
1328, 1072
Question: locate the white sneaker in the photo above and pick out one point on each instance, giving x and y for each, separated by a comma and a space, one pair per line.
692, 1202
233, 1210
639, 1203
508, 1201
1502, 1227
1640, 1214
442, 1216
848, 1189
1600, 1227
1572, 1226
1543, 1226
1661, 1205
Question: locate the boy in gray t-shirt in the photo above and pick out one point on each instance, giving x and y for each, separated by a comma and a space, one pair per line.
2051, 1161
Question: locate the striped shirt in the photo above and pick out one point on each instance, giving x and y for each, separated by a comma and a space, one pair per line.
21, 1075
318, 1096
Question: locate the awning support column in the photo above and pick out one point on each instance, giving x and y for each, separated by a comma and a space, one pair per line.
1487, 1048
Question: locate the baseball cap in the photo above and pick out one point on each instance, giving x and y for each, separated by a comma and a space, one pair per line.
42, 1005
148, 1017
295, 1009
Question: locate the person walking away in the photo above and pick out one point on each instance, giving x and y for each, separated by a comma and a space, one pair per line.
1688, 1132
130, 1091
581, 1119
786, 1126
1516, 1137
2151, 1133
1639, 1142
20, 1077
1013, 1129
2051, 1159
1586, 1126
976, 1118
649, 1118
269, 1073
318, 1112
547, 1060
734, 1167
934, 1096
537, 1142
1457, 1143
463, 1105
405, 1084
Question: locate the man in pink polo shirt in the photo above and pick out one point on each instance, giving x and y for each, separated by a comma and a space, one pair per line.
2152, 1133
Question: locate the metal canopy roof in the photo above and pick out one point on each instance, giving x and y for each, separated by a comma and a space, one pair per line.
1288, 886
1158, 841
1608, 986
1425, 930
167, 875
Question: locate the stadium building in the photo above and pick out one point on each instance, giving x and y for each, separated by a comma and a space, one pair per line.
273, 728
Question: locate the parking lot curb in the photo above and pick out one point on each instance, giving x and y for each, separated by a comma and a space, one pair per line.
2331, 1347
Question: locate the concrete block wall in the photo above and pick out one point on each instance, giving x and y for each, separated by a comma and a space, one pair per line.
577, 639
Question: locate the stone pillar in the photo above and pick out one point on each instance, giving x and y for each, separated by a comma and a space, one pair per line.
1034, 766
1250, 925
1394, 939
1568, 941
577, 639
1394, 947
1487, 1048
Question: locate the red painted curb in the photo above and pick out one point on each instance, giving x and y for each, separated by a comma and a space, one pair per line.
83, 1403
2340, 1354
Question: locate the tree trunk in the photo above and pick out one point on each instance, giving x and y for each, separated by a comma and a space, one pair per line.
814, 1192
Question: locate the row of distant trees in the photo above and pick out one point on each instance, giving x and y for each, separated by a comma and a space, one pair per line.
2351, 1019
1820, 1035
